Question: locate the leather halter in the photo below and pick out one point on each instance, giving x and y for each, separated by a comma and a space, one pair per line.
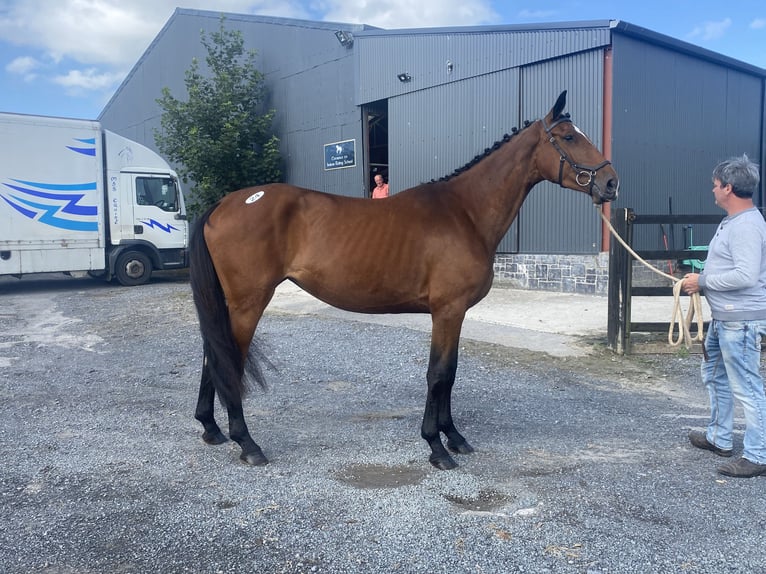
583, 173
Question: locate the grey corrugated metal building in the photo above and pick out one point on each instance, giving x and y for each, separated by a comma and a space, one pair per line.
416, 104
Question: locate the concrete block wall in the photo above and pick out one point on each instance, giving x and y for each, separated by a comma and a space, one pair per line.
587, 274
645, 277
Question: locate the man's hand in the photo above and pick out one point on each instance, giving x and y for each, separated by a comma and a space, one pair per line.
691, 283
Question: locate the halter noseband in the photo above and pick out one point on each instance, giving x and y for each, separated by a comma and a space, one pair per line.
582, 171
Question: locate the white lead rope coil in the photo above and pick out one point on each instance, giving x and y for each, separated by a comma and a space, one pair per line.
695, 308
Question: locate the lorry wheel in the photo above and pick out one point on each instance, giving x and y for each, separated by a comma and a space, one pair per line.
133, 268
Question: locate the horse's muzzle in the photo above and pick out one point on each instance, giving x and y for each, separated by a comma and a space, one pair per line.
605, 190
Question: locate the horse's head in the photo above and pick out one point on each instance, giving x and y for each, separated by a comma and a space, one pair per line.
568, 157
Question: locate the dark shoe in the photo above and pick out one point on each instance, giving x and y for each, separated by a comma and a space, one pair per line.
742, 468
698, 439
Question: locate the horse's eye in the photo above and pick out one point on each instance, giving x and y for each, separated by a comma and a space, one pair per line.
569, 137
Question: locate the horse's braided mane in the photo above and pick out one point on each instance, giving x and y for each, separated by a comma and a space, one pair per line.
487, 151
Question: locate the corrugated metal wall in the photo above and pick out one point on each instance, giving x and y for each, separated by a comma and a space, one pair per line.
553, 219
434, 131
425, 54
317, 109
675, 117
309, 73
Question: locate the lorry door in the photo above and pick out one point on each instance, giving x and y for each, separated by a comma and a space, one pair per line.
157, 210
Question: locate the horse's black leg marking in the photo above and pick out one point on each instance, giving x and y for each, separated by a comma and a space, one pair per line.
440, 458
205, 408
437, 417
251, 452
455, 441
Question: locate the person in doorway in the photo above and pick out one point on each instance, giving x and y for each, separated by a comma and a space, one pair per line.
734, 284
381, 189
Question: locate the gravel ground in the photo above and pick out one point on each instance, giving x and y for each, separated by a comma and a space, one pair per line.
581, 464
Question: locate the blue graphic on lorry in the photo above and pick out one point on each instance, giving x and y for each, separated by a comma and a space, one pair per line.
157, 225
56, 204
91, 150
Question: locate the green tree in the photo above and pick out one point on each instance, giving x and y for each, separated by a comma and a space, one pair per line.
221, 137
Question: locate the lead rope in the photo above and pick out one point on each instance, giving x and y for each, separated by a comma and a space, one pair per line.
677, 318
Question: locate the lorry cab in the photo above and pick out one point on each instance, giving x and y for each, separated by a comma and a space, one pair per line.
148, 227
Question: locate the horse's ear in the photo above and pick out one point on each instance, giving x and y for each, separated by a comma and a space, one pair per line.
558, 107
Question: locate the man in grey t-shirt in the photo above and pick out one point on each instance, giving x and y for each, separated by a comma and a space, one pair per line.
734, 284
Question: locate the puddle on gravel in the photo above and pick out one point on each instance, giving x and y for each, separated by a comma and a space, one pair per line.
487, 500
379, 476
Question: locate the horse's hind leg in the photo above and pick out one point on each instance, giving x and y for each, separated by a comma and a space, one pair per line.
205, 407
437, 417
251, 452
244, 320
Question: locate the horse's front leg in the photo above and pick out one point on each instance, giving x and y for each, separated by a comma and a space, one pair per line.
437, 417
205, 408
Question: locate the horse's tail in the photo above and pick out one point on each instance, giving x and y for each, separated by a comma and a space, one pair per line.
223, 359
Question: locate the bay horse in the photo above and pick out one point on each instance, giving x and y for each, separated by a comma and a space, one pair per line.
429, 249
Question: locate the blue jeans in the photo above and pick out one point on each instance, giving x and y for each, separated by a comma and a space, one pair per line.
733, 369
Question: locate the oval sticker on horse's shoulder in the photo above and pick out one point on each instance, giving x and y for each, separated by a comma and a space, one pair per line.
255, 197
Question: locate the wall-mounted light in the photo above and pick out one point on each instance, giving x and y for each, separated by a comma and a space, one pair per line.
346, 39
404, 77
450, 66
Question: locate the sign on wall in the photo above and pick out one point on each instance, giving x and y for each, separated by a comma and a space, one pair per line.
340, 154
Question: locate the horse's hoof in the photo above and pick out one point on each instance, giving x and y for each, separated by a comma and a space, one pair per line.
445, 462
461, 448
254, 459
214, 438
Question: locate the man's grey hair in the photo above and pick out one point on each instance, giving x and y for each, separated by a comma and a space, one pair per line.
741, 173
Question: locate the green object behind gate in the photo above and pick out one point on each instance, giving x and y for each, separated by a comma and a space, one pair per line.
696, 264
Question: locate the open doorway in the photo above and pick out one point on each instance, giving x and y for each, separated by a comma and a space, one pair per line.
376, 119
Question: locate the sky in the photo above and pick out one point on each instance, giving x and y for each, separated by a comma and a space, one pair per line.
68, 57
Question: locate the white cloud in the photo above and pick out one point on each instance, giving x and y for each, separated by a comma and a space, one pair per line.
109, 32
711, 30
410, 13
758, 23
91, 79
24, 66
89, 45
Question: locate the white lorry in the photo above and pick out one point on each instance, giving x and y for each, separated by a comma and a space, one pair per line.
77, 198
